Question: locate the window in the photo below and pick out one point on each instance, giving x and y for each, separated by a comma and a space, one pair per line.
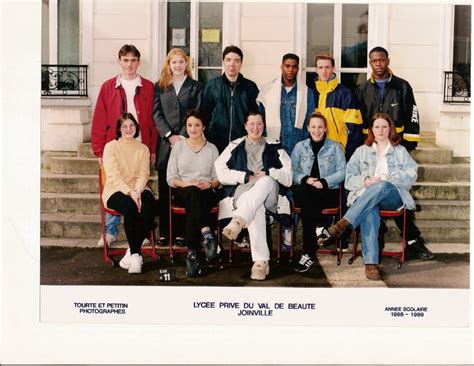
340, 30
462, 46
68, 32
202, 41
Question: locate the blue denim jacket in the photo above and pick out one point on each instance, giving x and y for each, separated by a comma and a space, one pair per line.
331, 162
402, 171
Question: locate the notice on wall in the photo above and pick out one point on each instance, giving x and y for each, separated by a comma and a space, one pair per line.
210, 35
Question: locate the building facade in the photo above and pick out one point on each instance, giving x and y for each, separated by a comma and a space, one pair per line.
425, 41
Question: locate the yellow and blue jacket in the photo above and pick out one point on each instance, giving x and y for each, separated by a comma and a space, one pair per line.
344, 121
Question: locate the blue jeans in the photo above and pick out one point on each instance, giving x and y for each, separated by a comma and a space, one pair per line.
112, 223
382, 195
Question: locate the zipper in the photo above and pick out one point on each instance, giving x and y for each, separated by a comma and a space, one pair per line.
231, 112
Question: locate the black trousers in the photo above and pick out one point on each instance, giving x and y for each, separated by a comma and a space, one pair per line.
312, 201
412, 230
198, 204
137, 224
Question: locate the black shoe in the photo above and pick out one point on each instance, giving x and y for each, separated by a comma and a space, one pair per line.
304, 263
418, 250
162, 242
192, 264
210, 249
179, 241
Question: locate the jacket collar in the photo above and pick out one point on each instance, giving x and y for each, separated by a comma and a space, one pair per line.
118, 82
228, 82
390, 74
327, 86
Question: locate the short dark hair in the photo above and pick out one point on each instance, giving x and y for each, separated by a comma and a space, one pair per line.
324, 56
128, 48
290, 56
317, 114
233, 49
196, 113
378, 49
123, 117
253, 112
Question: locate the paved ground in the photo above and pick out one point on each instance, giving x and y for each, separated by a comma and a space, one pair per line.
84, 266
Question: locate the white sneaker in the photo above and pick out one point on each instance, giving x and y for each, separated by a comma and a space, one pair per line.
125, 261
136, 262
235, 226
146, 242
109, 237
260, 270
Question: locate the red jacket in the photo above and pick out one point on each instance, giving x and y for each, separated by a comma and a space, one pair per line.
111, 103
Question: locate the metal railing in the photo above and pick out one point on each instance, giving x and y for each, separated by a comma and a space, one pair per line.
64, 80
457, 87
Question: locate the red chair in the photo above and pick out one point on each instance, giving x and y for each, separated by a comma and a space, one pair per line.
177, 210
385, 253
108, 252
334, 212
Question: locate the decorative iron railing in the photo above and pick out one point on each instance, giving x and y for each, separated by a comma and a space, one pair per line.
64, 80
457, 87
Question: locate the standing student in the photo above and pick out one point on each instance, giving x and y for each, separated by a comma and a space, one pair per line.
227, 99
175, 93
127, 92
384, 92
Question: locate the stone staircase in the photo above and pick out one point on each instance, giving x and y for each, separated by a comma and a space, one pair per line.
70, 202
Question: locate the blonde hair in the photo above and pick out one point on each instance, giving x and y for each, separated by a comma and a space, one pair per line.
166, 76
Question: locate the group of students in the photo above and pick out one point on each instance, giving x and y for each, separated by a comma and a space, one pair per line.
216, 143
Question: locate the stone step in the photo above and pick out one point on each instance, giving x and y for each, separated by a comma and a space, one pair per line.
77, 183
69, 226
75, 165
443, 172
442, 210
84, 150
83, 203
432, 155
441, 190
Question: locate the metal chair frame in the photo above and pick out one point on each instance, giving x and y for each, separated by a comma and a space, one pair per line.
335, 212
178, 210
385, 253
108, 252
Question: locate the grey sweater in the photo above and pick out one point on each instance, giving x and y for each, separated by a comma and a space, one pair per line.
187, 165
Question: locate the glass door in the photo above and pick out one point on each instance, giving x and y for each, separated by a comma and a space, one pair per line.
196, 27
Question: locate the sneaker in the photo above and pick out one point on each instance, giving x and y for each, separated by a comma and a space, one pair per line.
162, 242
136, 263
244, 243
322, 235
260, 270
304, 264
372, 272
125, 261
336, 231
235, 226
192, 264
146, 242
210, 249
418, 250
108, 237
179, 241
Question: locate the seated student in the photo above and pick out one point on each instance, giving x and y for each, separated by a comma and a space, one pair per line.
317, 181
379, 176
251, 171
191, 172
127, 169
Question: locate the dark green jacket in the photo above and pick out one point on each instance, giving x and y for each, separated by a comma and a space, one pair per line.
226, 105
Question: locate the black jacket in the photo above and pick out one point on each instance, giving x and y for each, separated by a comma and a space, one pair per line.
398, 102
168, 113
226, 105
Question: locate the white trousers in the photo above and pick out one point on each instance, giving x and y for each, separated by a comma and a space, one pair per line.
251, 206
